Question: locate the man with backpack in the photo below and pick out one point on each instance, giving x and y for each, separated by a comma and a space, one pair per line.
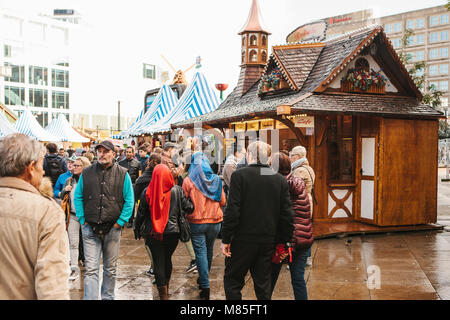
54, 164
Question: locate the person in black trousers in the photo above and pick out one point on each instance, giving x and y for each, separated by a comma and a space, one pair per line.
141, 184
258, 215
160, 206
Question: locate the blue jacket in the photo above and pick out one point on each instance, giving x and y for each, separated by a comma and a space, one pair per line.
60, 183
128, 206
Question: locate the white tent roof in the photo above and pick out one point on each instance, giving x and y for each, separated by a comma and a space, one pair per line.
6, 127
61, 128
28, 125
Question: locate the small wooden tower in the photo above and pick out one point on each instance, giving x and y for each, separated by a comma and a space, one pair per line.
254, 52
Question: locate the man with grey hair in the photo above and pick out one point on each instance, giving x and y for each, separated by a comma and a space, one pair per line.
258, 215
34, 256
300, 168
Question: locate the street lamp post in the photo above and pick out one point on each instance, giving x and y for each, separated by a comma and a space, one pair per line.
118, 115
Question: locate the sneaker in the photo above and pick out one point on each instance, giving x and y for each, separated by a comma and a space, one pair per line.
150, 272
73, 275
192, 267
309, 262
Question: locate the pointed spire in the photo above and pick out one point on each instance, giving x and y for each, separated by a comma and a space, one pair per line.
253, 23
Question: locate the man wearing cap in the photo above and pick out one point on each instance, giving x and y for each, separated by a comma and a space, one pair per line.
63, 178
104, 202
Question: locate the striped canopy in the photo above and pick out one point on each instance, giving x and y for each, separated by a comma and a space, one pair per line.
163, 104
125, 133
28, 125
61, 128
5, 126
198, 99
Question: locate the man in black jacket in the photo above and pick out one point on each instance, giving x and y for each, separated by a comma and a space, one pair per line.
54, 164
258, 215
131, 164
134, 167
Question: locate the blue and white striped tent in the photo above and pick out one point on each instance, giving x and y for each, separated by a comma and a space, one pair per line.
61, 128
5, 126
28, 125
163, 104
198, 99
125, 133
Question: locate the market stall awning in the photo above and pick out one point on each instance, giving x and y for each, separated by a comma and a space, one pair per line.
5, 126
163, 104
61, 128
126, 133
198, 99
29, 126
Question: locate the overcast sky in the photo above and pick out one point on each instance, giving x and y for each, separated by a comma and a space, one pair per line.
123, 34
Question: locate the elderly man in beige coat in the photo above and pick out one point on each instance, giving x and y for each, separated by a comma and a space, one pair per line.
34, 256
300, 168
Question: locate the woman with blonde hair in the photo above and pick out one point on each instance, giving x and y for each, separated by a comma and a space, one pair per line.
74, 226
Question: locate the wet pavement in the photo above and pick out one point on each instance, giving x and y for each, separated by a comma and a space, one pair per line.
392, 266
409, 265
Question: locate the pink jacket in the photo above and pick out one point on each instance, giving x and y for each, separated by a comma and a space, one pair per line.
205, 210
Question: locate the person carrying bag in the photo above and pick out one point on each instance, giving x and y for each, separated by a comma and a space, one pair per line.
161, 210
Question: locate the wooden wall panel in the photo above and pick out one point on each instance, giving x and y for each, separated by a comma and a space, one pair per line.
320, 168
409, 172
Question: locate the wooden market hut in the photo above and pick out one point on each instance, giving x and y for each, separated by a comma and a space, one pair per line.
351, 102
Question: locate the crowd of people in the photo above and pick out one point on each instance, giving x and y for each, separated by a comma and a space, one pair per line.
74, 208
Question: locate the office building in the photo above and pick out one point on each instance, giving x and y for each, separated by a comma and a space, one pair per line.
37, 51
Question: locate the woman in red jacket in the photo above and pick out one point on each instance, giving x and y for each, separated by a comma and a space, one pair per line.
303, 235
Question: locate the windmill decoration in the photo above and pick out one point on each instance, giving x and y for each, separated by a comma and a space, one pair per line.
179, 77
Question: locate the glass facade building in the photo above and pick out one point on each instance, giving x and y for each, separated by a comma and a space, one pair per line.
37, 49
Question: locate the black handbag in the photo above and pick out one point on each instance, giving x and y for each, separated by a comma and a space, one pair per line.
185, 229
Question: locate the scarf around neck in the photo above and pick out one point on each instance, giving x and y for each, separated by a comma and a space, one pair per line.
298, 163
201, 174
158, 198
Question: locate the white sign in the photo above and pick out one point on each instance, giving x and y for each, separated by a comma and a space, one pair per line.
304, 122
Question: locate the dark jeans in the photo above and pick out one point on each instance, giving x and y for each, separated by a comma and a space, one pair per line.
248, 256
297, 269
162, 252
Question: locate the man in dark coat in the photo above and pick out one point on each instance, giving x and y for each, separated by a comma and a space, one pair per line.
258, 215
54, 164
134, 168
131, 164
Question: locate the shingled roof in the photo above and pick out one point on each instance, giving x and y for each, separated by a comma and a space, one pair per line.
309, 68
296, 61
408, 107
365, 104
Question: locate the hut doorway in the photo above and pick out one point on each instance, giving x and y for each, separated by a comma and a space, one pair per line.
368, 183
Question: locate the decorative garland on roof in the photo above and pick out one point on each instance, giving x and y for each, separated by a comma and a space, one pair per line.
363, 79
273, 78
